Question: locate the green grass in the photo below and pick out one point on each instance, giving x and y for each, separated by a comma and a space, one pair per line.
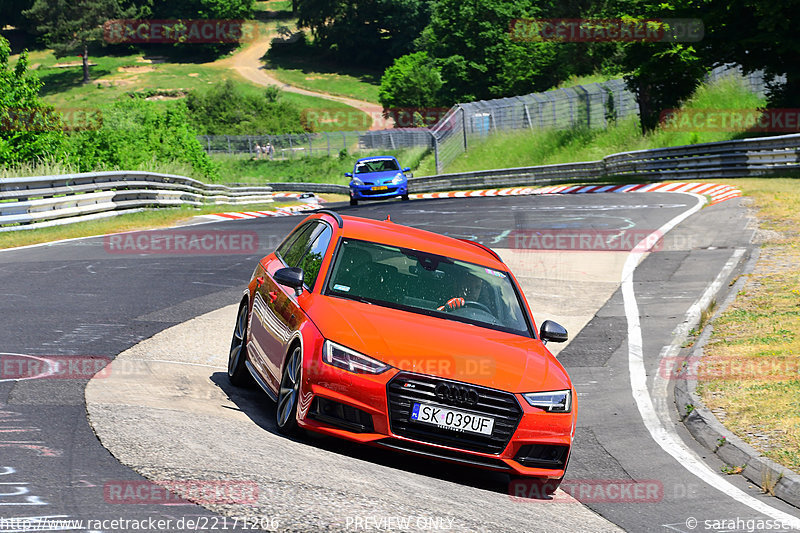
574, 80
315, 76
114, 77
755, 344
519, 149
243, 169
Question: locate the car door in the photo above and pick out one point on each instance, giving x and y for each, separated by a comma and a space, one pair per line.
266, 332
282, 314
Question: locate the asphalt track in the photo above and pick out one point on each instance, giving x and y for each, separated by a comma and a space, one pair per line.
78, 301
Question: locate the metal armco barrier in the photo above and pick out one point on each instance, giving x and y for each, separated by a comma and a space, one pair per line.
50, 200
32, 202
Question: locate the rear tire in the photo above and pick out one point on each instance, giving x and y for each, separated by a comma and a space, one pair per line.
289, 393
238, 374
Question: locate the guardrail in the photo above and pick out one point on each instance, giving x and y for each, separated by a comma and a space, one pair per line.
49, 200
728, 159
27, 203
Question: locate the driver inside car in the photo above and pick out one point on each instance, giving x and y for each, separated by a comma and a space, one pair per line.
472, 289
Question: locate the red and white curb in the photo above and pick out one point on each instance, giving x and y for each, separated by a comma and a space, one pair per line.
278, 212
715, 191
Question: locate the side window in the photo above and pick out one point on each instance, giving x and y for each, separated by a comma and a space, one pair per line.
293, 248
312, 261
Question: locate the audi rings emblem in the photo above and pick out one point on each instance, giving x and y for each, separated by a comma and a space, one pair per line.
457, 394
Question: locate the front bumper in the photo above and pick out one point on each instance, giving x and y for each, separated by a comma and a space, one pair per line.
366, 192
368, 409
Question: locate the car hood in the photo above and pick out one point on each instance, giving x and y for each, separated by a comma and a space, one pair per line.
439, 347
377, 177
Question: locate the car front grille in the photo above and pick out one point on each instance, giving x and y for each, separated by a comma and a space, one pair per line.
406, 388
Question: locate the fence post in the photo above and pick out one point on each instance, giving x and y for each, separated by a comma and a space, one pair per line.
310, 148
528, 116
328, 139
344, 141
464, 125
229, 144
436, 153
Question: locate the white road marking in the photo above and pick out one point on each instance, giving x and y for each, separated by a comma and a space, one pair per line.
664, 434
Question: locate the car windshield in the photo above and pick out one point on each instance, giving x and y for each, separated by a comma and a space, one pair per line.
376, 165
426, 283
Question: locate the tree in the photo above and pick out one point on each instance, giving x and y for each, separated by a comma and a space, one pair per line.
369, 32
11, 12
413, 81
479, 57
71, 25
757, 35
202, 9
28, 128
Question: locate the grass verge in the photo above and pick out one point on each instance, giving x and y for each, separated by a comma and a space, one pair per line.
244, 169
523, 148
157, 218
752, 361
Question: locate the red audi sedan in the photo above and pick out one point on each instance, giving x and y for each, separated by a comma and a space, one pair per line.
408, 340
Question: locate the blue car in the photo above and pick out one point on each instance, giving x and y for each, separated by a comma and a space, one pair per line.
377, 177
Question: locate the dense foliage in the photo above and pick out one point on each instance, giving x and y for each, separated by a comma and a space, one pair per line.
200, 9
135, 132
70, 26
365, 32
225, 109
29, 129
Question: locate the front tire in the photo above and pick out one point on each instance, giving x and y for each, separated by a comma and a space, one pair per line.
353, 201
238, 374
289, 394
404, 197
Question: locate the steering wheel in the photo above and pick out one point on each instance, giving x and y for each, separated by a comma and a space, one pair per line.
479, 305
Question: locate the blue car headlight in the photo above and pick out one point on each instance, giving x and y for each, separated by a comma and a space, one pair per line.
400, 178
357, 182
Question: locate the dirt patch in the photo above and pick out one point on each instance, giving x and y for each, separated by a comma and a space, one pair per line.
151, 59
193, 74
73, 64
117, 82
136, 68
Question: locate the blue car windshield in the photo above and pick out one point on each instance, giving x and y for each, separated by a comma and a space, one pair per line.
425, 283
376, 165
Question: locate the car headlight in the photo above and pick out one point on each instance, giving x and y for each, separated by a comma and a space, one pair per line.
398, 179
357, 182
559, 401
350, 360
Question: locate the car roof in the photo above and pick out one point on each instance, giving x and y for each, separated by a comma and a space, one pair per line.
377, 158
387, 232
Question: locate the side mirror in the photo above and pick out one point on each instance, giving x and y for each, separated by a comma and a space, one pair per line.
552, 331
407, 169
348, 174
291, 277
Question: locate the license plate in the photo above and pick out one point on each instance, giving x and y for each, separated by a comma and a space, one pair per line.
380, 188
451, 419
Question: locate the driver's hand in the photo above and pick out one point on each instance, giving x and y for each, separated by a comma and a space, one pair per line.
452, 304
